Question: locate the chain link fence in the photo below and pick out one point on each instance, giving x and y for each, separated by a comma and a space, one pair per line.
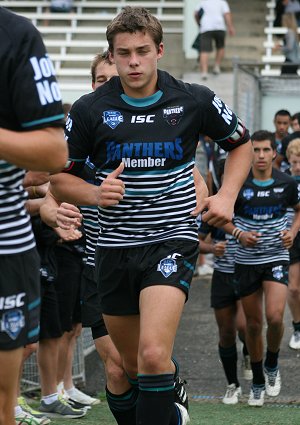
254, 92
84, 346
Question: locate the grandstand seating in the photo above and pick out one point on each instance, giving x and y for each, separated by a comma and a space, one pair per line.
73, 39
271, 59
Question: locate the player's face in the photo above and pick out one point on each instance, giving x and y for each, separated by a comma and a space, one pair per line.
295, 125
136, 56
282, 123
294, 165
104, 71
263, 155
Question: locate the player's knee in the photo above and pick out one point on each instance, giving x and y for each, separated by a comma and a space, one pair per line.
275, 319
153, 359
254, 327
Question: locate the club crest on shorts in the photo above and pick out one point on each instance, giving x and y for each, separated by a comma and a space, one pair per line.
12, 323
112, 118
167, 266
277, 272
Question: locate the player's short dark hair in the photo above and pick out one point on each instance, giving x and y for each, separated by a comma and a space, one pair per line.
282, 112
133, 19
261, 135
296, 116
100, 57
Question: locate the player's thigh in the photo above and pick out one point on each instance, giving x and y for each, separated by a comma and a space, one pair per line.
160, 309
275, 300
294, 277
125, 332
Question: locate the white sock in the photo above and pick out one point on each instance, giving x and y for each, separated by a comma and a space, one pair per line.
71, 391
18, 410
51, 398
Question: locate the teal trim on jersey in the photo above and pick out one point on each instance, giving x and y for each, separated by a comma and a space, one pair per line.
220, 140
144, 101
34, 304
77, 160
158, 172
188, 265
34, 332
269, 221
263, 183
184, 283
42, 121
91, 223
6, 165
155, 192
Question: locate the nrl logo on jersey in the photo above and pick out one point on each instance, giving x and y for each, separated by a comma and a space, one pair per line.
167, 266
248, 194
112, 118
173, 114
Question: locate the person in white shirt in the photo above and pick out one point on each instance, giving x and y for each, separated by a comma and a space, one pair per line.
215, 20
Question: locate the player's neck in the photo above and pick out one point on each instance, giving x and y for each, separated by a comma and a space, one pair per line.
262, 175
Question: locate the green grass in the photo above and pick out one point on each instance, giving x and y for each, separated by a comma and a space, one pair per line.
208, 413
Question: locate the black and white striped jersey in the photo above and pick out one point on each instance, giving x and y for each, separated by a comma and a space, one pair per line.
225, 263
262, 206
291, 211
29, 99
156, 138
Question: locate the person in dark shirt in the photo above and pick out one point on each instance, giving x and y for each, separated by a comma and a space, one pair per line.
31, 138
262, 259
141, 130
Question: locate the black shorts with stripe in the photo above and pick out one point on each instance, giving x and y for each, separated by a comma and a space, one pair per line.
224, 290
123, 273
251, 277
19, 299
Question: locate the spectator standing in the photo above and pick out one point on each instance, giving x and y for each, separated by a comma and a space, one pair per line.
31, 137
215, 20
290, 47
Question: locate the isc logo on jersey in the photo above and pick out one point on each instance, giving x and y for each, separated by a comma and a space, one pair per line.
139, 119
43, 69
12, 301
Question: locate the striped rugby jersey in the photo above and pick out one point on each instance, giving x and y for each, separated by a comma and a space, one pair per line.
262, 207
156, 138
30, 99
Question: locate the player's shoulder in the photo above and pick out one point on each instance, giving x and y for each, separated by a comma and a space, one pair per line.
281, 176
15, 26
197, 92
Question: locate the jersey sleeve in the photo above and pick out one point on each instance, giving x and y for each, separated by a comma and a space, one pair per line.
219, 122
77, 135
31, 78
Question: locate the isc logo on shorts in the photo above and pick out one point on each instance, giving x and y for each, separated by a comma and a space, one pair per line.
12, 301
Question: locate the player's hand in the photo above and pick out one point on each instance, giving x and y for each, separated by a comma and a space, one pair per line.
287, 238
249, 239
217, 210
68, 235
219, 248
112, 189
68, 216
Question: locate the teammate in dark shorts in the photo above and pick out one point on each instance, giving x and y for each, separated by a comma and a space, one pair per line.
225, 300
293, 157
149, 122
30, 138
262, 259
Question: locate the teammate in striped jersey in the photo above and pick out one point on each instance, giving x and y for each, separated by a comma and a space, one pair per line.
293, 156
31, 138
225, 300
262, 259
141, 130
